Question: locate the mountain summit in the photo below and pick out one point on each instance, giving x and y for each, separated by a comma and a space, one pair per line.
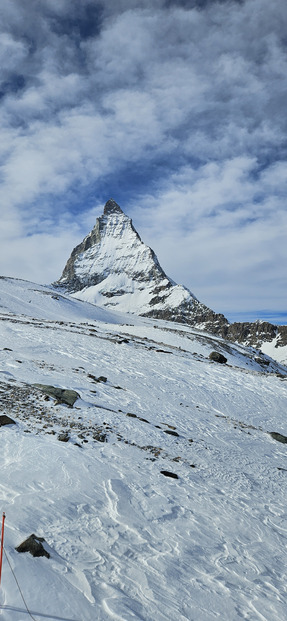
112, 207
113, 268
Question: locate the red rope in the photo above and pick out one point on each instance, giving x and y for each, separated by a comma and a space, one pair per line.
2, 543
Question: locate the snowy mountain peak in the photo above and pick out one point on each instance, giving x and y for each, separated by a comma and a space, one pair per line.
112, 207
113, 268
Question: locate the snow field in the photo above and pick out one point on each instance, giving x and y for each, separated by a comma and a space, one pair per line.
127, 542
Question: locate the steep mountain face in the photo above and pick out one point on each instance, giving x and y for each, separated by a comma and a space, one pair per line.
113, 268
269, 338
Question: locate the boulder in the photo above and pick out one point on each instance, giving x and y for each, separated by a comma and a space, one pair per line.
217, 357
34, 545
62, 395
64, 437
6, 420
278, 436
98, 379
167, 473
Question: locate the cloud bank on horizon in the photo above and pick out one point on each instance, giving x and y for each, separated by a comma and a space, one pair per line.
177, 110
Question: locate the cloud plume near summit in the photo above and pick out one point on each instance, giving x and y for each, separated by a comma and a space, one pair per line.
177, 110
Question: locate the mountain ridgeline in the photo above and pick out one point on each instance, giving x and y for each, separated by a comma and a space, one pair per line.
114, 269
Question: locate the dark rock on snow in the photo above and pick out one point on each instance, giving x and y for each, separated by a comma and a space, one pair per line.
64, 437
100, 379
34, 545
166, 473
6, 420
278, 436
62, 395
171, 433
217, 357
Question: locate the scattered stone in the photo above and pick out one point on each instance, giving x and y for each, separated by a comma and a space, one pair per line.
100, 436
63, 437
98, 379
217, 357
262, 361
6, 420
166, 473
34, 545
162, 351
92, 377
278, 436
171, 433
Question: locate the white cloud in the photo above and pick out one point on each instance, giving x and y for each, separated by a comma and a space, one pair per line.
26, 251
211, 235
12, 52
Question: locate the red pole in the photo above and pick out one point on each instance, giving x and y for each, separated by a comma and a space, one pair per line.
2, 543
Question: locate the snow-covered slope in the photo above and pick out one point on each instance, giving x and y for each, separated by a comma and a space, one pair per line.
113, 268
275, 350
126, 541
22, 297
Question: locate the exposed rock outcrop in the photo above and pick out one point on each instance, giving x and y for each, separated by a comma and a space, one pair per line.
62, 395
6, 420
34, 545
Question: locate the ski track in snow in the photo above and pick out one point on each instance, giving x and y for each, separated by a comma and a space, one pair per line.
126, 542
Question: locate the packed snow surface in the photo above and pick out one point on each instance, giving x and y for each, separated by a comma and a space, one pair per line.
126, 541
278, 352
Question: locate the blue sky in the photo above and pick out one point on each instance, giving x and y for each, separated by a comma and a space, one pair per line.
177, 110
